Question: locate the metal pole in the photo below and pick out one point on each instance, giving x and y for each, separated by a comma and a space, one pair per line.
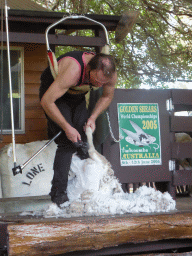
18, 169
39, 151
10, 84
2, 22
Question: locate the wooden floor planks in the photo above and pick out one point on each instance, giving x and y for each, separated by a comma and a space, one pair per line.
39, 236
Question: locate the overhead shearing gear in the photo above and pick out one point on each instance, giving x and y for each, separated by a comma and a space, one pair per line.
51, 56
53, 61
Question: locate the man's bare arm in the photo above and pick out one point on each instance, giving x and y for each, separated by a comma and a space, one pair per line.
68, 76
103, 103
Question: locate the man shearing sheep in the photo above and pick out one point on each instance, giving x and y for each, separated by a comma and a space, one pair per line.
63, 101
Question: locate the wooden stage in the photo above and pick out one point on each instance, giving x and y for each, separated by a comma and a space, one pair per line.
103, 235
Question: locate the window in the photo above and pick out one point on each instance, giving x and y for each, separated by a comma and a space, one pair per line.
17, 76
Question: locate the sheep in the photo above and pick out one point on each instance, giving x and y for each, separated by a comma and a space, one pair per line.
94, 190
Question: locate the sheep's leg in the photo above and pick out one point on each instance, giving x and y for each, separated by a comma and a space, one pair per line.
92, 151
90, 138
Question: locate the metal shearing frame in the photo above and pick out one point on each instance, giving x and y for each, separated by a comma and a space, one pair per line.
51, 56
73, 17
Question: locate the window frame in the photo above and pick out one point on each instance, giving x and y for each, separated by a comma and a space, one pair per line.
22, 102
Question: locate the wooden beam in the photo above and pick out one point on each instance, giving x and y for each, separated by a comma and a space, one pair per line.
182, 177
54, 40
180, 96
181, 123
47, 18
181, 150
101, 34
57, 236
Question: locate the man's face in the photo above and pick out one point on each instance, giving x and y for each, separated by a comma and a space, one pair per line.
97, 78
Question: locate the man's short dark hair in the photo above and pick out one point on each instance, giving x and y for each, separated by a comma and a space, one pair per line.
103, 62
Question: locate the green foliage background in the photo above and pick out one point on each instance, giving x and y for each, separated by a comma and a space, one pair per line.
158, 49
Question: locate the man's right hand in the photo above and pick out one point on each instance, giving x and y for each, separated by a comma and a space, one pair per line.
72, 134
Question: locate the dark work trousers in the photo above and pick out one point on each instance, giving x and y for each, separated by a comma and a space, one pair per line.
73, 108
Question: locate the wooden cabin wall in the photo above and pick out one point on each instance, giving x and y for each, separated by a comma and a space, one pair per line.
35, 61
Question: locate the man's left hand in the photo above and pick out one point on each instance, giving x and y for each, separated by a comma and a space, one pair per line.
90, 123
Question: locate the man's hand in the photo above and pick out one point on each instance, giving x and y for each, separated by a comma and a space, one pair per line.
90, 123
72, 134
